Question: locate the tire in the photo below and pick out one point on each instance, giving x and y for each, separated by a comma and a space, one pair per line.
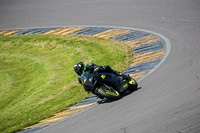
132, 86
109, 94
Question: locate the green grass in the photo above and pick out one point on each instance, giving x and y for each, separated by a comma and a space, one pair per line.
37, 78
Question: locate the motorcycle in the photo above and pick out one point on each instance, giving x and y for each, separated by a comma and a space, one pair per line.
107, 85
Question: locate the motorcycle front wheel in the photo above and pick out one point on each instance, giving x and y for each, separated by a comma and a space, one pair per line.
109, 93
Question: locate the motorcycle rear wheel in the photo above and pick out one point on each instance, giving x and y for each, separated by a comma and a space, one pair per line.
133, 85
110, 93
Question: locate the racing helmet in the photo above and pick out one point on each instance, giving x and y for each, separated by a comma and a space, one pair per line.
79, 68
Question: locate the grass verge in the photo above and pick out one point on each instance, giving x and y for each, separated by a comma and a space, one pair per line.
37, 78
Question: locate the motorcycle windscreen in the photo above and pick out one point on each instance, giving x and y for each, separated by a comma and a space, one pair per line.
87, 81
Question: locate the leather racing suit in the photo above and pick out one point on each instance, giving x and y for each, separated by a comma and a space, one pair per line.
95, 68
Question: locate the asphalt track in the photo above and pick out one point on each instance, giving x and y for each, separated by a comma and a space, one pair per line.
169, 100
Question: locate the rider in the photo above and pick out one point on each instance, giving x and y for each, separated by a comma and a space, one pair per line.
80, 68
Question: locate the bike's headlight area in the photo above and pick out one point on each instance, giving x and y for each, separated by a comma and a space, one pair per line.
88, 87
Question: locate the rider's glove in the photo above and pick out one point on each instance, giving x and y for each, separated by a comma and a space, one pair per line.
99, 68
79, 80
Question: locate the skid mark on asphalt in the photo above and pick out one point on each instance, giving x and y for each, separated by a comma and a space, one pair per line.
149, 50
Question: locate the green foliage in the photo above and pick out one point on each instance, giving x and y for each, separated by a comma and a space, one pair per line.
37, 78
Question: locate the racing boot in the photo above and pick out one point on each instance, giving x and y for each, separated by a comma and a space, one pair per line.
123, 76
